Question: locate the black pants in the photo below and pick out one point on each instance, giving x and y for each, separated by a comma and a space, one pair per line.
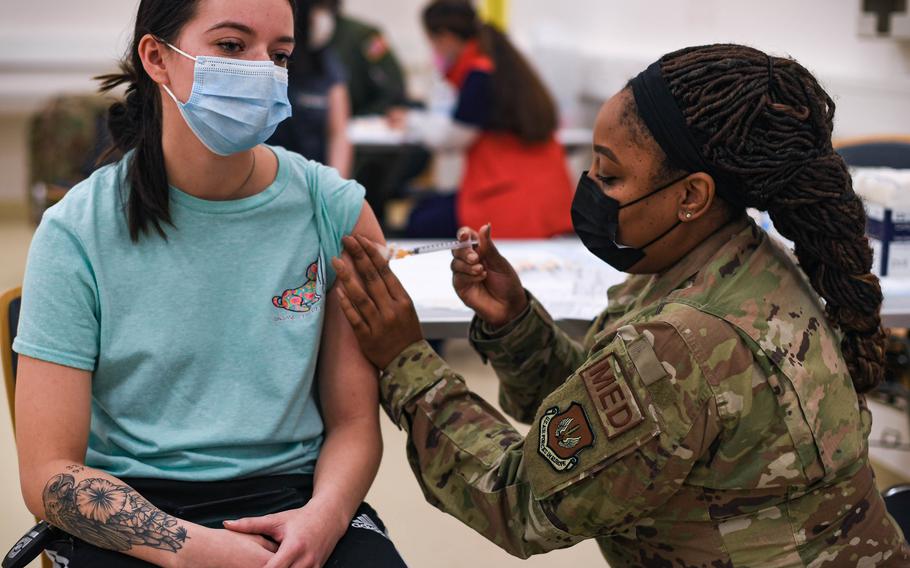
209, 503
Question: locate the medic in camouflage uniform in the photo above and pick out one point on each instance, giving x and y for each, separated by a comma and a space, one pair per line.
710, 417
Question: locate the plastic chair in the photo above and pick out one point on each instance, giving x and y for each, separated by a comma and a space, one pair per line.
897, 500
10, 302
886, 151
9, 321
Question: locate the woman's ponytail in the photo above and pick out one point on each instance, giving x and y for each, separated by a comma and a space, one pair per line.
521, 102
765, 123
135, 123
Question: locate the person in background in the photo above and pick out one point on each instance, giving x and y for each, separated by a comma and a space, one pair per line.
318, 126
515, 172
376, 86
374, 76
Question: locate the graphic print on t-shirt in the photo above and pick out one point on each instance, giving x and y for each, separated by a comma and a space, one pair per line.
303, 298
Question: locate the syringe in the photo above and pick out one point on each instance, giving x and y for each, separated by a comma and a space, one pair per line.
392, 251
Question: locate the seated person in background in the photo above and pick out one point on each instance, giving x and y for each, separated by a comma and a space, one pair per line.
374, 77
375, 84
515, 171
169, 337
318, 126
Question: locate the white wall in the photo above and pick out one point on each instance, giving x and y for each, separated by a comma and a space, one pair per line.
596, 45
582, 46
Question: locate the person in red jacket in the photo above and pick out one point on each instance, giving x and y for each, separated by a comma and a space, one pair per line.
515, 171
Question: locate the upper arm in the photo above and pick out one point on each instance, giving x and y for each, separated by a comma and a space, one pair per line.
474, 101
645, 415
59, 320
348, 387
57, 342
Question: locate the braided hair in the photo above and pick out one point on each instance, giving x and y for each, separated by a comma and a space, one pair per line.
764, 123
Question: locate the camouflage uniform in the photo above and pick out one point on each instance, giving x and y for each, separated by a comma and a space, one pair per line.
66, 139
709, 420
375, 79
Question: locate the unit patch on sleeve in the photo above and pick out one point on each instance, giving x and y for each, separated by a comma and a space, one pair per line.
563, 435
614, 400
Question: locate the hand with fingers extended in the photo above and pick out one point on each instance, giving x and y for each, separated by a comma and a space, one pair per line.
377, 305
485, 281
305, 539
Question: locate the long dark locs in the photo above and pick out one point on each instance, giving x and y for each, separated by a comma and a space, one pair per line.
765, 124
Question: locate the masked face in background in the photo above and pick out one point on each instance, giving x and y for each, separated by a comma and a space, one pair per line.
322, 28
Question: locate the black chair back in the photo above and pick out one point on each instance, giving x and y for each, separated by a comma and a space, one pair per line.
897, 500
13, 323
883, 154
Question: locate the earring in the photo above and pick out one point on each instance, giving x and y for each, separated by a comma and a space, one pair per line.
688, 214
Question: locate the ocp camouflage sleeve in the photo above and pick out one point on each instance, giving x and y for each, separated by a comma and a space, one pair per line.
531, 357
615, 440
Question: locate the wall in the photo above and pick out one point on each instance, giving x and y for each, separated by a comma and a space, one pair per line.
594, 46
587, 47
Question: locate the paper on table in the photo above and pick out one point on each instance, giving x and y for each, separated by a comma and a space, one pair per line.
566, 278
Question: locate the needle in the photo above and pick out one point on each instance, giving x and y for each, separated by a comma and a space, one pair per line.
393, 251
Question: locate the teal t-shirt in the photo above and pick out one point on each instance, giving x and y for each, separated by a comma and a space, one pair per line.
203, 347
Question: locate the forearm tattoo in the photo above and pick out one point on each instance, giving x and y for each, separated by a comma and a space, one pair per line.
109, 515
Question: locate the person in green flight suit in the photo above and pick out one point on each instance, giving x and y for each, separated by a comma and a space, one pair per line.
714, 414
376, 86
375, 80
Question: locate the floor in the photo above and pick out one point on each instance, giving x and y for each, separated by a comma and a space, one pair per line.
425, 536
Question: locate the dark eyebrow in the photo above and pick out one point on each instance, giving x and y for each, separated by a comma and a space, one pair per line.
606, 152
245, 29
233, 25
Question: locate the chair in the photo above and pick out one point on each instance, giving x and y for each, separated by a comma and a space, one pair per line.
897, 501
10, 302
9, 321
875, 151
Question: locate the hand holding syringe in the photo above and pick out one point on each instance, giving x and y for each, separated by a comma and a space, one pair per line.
392, 251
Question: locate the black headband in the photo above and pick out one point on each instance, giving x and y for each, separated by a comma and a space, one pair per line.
661, 114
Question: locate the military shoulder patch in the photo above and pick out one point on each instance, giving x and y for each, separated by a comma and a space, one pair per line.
614, 400
563, 435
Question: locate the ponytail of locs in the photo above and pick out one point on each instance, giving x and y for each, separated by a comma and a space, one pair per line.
765, 123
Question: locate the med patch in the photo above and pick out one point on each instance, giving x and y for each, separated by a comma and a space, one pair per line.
609, 386
615, 402
563, 435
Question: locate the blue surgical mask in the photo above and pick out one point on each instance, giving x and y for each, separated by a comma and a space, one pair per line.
235, 104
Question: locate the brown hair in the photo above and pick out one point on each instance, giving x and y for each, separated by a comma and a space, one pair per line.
765, 123
521, 104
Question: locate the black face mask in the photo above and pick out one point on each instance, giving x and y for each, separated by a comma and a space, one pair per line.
595, 217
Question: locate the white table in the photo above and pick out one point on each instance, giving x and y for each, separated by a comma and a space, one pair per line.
374, 132
567, 279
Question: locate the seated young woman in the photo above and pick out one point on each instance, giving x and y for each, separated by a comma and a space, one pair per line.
170, 409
